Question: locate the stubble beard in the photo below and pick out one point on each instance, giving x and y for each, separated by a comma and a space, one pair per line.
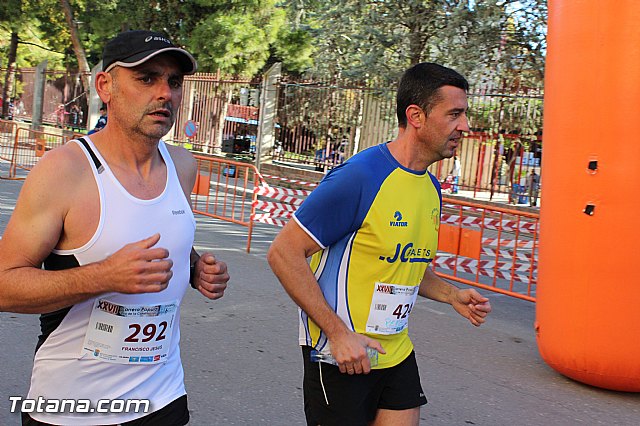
153, 131
448, 150
135, 121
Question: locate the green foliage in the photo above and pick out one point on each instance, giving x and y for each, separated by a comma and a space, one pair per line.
32, 48
294, 48
501, 114
376, 40
237, 42
234, 36
371, 40
34, 44
498, 44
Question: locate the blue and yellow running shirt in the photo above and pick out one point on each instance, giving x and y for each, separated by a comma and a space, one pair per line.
377, 223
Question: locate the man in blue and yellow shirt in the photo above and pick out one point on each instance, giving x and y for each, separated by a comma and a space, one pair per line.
371, 229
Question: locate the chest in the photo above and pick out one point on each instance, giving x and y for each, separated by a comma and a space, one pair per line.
401, 229
106, 213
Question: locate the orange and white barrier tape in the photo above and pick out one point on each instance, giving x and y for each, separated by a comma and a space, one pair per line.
290, 196
489, 223
285, 202
269, 206
502, 243
503, 270
297, 182
504, 254
266, 218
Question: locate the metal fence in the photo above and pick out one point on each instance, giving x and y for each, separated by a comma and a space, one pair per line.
484, 246
61, 88
223, 112
323, 125
225, 190
7, 140
21, 148
489, 247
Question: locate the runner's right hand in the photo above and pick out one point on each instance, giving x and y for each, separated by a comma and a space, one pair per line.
350, 352
137, 268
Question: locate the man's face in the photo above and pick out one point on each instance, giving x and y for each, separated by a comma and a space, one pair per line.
445, 124
145, 99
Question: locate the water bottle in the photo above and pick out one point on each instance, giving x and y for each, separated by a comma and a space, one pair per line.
329, 359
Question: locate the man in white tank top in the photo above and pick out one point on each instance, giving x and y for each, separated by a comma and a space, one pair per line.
110, 219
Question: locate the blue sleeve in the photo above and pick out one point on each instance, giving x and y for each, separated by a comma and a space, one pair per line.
340, 203
436, 183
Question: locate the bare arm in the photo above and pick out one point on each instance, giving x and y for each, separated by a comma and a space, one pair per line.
210, 276
36, 226
287, 258
467, 302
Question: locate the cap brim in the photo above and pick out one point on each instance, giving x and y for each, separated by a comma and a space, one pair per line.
187, 62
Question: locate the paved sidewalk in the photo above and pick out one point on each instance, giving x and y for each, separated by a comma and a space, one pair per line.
243, 366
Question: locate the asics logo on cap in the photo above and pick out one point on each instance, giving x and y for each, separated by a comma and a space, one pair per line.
155, 38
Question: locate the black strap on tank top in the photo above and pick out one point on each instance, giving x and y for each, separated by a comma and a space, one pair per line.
95, 159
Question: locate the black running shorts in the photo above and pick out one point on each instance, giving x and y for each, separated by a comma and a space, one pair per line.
334, 398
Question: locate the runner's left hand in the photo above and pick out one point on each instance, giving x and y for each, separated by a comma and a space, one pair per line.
211, 276
471, 305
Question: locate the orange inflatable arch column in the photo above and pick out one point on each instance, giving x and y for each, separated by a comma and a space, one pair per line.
588, 309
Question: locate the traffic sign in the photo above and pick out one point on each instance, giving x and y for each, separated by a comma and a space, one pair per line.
190, 128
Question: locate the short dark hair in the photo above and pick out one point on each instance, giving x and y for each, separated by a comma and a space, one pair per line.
419, 86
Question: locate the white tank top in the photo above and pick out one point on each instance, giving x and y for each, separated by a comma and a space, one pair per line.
61, 370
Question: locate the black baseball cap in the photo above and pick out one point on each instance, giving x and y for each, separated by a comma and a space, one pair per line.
132, 48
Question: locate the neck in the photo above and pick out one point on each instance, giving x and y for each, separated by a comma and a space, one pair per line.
128, 150
407, 151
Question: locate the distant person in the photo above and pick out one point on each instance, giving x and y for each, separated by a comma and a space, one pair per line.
534, 188
19, 108
76, 117
102, 121
107, 256
344, 143
11, 109
336, 156
455, 174
371, 230
60, 113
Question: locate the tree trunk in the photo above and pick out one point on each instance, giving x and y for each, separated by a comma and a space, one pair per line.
416, 46
10, 77
85, 71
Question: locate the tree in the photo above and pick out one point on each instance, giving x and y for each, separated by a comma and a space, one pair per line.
10, 13
498, 41
22, 44
375, 40
77, 44
234, 37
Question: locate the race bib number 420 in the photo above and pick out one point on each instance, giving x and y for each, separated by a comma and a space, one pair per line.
391, 305
129, 334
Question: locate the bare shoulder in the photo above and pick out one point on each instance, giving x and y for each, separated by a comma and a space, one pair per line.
56, 179
60, 168
51, 188
185, 166
182, 158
